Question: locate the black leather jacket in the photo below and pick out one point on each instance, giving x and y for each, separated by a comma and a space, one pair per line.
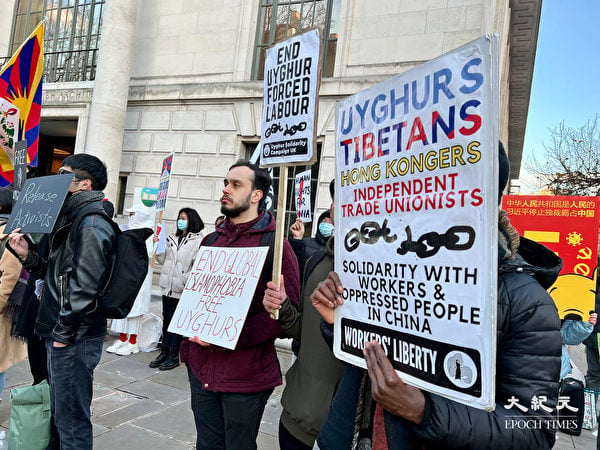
74, 273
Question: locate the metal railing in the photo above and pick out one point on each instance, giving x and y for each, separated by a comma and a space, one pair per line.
71, 65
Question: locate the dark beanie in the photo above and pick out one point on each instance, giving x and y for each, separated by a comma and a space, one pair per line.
503, 170
6, 200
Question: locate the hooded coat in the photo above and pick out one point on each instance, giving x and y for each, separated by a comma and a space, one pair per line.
177, 262
144, 217
528, 360
305, 248
12, 349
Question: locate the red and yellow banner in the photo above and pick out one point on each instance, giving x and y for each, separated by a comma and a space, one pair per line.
568, 226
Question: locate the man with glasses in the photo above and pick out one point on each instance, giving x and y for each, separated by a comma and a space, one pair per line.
74, 272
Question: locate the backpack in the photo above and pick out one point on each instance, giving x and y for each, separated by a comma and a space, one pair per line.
129, 270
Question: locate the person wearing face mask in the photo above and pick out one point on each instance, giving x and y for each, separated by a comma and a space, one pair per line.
305, 248
177, 261
140, 216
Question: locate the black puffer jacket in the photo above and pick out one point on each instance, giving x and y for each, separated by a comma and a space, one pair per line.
305, 248
75, 272
527, 365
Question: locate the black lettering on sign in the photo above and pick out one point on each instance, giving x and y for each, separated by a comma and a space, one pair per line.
39, 204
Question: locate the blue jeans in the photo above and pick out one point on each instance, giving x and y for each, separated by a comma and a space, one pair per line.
226, 420
71, 373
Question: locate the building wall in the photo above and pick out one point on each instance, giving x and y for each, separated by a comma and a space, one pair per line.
190, 90
6, 20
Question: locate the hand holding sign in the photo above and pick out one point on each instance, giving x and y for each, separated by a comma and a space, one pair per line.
297, 229
274, 295
327, 296
19, 244
389, 390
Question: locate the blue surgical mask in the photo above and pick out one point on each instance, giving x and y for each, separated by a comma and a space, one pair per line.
182, 224
325, 229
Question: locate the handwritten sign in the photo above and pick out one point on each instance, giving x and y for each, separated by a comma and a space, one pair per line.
415, 213
165, 178
20, 165
302, 195
567, 225
291, 87
39, 204
218, 293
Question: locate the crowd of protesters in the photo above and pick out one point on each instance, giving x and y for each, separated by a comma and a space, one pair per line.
48, 295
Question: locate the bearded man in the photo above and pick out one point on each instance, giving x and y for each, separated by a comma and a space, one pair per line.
230, 388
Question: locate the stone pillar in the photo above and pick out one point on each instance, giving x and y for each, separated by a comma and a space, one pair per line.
6, 18
111, 88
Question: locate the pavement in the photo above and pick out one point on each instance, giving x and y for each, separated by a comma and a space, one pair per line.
136, 407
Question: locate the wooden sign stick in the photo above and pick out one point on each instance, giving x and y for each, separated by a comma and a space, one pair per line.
160, 215
280, 224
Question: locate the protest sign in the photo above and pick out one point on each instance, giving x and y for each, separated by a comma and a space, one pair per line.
39, 204
568, 226
302, 196
218, 293
163, 187
291, 86
416, 210
290, 112
20, 165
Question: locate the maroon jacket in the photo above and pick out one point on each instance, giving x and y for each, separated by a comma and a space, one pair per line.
253, 365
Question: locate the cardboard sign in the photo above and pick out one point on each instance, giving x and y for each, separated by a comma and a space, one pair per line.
414, 214
291, 88
20, 165
39, 204
302, 195
568, 226
163, 187
218, 293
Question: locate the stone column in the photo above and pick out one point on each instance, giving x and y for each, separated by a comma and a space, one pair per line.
106, 121
7, 7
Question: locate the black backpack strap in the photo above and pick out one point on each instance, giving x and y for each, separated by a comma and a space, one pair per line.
268, 240
211, 238
88, 211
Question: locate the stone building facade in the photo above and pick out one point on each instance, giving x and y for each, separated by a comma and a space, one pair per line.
180, 75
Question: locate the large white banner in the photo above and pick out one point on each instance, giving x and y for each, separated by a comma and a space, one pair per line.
218, 293
416, 214
290, 106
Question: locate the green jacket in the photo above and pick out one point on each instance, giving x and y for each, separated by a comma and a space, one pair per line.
312, 379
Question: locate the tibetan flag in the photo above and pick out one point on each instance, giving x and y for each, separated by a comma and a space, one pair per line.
21, 85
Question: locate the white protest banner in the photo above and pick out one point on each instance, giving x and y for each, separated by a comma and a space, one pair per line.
163, 187
416, 213
302, 196
291, 87
218, 293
